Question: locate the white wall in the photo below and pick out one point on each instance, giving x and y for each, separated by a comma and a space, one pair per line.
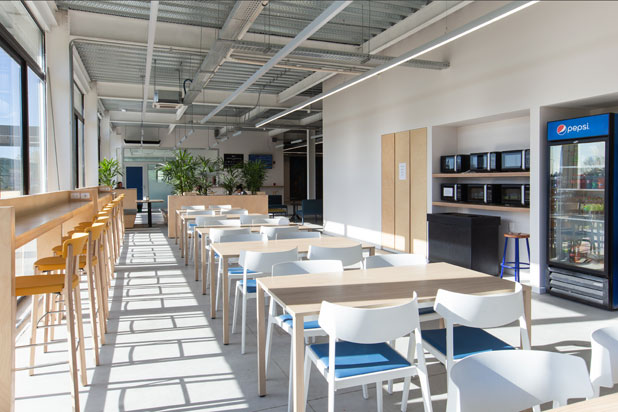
549, 53
91, 137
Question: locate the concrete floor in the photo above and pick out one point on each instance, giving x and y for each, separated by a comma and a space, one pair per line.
164, 353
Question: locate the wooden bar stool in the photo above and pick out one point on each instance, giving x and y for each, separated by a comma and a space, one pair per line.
106, 249
68, 285
516, 265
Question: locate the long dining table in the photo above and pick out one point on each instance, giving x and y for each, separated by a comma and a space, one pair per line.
302, 295
231, 250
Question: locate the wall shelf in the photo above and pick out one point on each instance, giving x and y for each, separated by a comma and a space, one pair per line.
482, 207
473, 175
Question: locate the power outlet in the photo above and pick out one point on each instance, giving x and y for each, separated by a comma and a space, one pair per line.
85, 195
74, 195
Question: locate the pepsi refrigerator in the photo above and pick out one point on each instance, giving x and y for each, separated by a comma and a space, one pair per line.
583, 211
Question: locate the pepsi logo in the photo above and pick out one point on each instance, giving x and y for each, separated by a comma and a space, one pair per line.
561, 129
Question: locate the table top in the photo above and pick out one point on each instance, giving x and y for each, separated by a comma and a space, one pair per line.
255, 227
303, 294
149, 200
232, 249
607, 403
30, 226
223, 217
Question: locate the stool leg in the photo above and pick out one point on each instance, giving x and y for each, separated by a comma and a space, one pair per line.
93, 310
506, 243
528, 247
35, 317
80, 336
70, 322
100, 303
516, 260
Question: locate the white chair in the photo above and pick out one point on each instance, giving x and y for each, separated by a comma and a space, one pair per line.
272, 231
220, 206
471, 313
250, 219
200, 212
348, 256
262, 264
357, 352
511, 381
282, 221
195, 207
234, 211
284, 321
396, 259
604, 358
298, 235
233, 272
207, 220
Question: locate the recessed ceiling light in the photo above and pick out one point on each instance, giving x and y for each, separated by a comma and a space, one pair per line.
123, 110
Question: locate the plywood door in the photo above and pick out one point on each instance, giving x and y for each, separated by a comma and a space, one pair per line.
388, 190
418, 191
402, 191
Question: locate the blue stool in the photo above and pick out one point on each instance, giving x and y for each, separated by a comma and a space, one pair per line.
517, 265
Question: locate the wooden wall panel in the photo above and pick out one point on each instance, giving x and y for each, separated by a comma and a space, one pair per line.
402, 191
388, 190
418, 191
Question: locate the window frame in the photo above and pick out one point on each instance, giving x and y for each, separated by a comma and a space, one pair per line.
11, 46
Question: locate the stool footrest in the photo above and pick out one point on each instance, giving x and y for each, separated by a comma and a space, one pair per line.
33, 345
43, 365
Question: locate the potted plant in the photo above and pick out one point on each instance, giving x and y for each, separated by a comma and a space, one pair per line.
109, 170
205, 174
180, 172
254, 175
230, 178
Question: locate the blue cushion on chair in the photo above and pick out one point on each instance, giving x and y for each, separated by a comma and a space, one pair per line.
238, 270
353, 359
467, 341
424, 311
251, 285
310, 324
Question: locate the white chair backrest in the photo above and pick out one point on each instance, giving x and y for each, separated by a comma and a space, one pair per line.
272, 231
302, 267
283, 221
204, 220
195, 207
249, 219
398, 259
220, 206
347, 255
263, 261
215, 234
234, 211
297, 234
225, 222
199, 212
486, 311
374, 325
514, 380
251, 237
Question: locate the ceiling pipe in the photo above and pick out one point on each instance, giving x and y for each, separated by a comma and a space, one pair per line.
152, 25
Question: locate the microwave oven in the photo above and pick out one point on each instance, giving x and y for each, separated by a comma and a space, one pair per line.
453, 192
516, 195
515, 160
485, 162
454, 163
483, 193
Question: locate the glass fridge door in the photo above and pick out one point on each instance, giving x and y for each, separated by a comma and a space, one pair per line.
577, 207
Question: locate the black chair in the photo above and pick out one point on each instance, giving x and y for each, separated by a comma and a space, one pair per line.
276, 206
310, 207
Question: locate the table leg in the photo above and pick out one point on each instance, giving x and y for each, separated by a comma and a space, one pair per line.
226, 303
176, 221
180, 234
149, 214
372, 251
203, 262
195, 255
527, 291
213, 286
261, 340
298, 352
185, 234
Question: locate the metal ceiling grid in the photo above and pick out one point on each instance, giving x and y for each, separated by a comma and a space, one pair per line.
301, 114
195, 110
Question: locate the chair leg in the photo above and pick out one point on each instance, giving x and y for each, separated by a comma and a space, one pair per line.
93, 313
307, 372
34, 319
70, 322
219, 269
405, 394
290, 380
47, 308
365, 392
80, 335
243, 320
331, 397
269, 335
379, 396
506, 243
235, 314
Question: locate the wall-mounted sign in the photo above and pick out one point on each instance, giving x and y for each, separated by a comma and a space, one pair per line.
402, 171
233, 159
267, 159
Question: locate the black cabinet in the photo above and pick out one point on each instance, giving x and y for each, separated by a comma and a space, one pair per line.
469, 241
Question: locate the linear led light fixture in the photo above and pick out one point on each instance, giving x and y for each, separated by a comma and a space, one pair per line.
317, 136
237, 133
279, 146
296, 141
468, 28
223, 139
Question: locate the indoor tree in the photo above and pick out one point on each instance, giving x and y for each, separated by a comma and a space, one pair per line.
180, 171
254, 175
205, 174
230, 178
109, 170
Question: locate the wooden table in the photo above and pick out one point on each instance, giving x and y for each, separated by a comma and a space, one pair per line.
607, 403
302, 295
149, 202
227, 251
203, 233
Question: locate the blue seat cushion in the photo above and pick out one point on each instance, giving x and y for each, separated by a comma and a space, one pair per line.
251, 285
353, 359
467, 341
310, 324
424, 311
238, 270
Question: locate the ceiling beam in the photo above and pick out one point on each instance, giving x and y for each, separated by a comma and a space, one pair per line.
152, 26
240, 19
44, 13
331, 11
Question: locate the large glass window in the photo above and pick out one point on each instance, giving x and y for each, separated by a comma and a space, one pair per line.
11, 178
36, 134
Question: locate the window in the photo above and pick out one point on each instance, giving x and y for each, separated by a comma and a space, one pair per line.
78, 137
36, 133
11, 177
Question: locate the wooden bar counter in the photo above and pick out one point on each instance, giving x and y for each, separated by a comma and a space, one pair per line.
44, 217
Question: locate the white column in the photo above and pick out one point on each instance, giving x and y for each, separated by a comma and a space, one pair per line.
59, 112
310, 165
106, 132
91, 137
